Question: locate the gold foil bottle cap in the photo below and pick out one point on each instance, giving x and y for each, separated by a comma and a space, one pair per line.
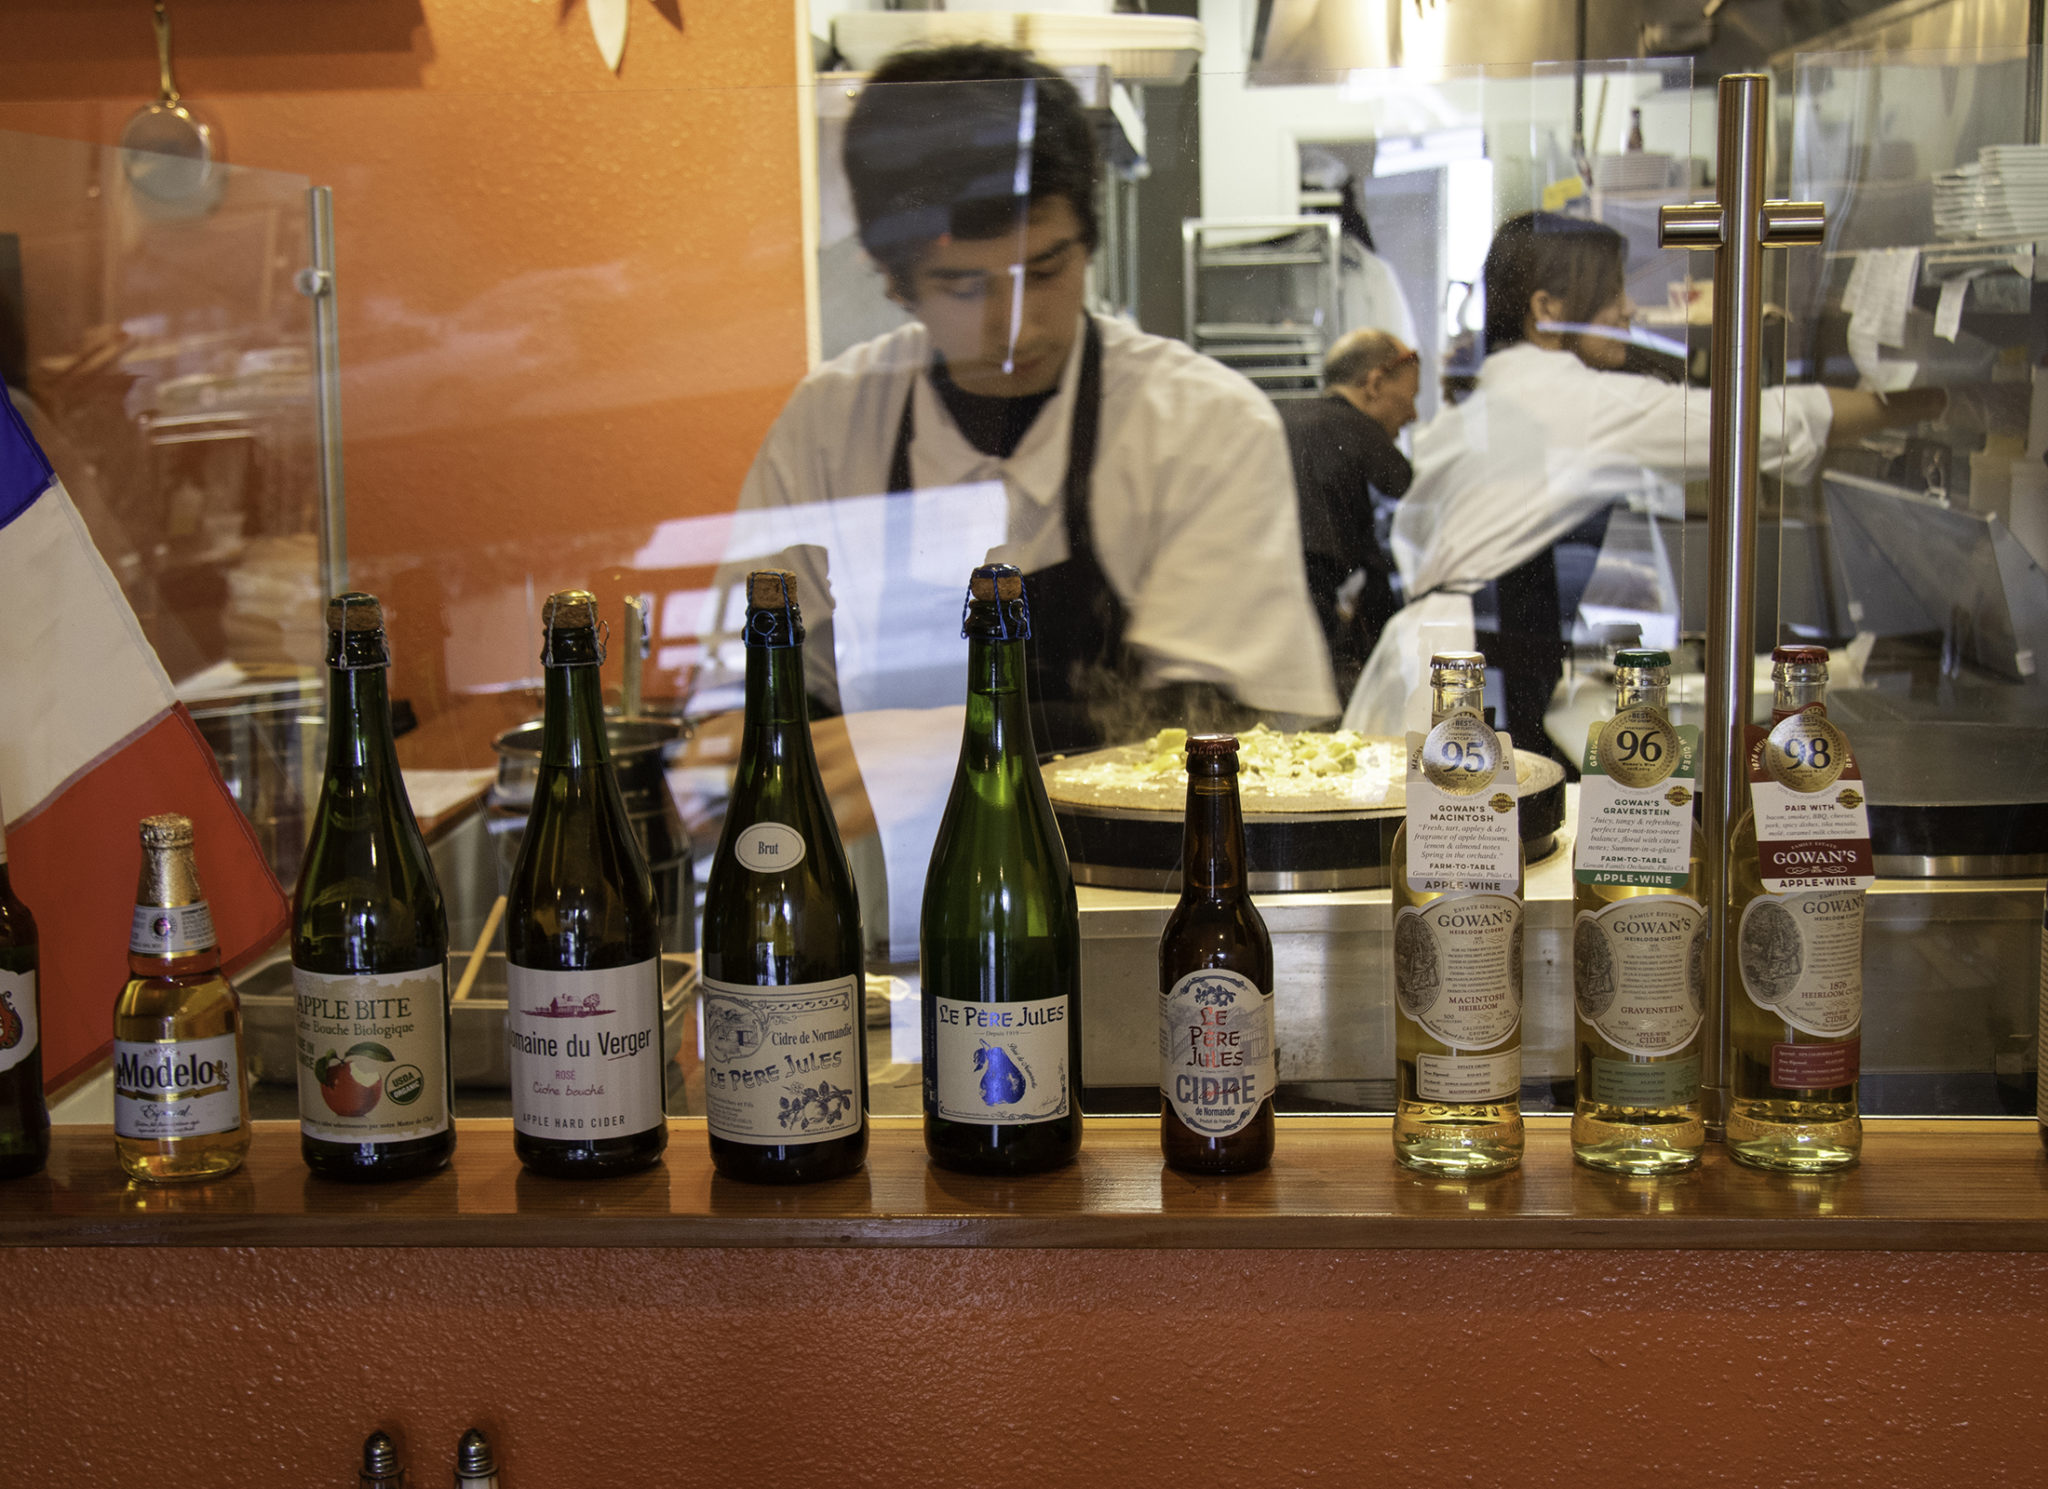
771, 589
168, 830
569, 609
355, 611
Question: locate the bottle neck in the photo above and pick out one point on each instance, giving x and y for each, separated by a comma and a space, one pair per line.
777, 730
572, 727
1791, 695
170, 907
1212, 847
359, 737
1450, 698
998, 708
1629, 694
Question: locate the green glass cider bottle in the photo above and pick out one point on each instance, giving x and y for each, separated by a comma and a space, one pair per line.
369, 939
582, 938
24, 1116
1000, 935
785, 1061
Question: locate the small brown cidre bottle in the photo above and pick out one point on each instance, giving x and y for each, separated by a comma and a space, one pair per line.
1218, 1066
181, 1107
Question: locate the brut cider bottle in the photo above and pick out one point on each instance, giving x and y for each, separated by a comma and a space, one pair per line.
785, 1063
181, 1108
24, 1118
1638, 934
1457, 893
582, 938
1000, 937
1798, 865
2041, 1080
369, 939
1218, 1064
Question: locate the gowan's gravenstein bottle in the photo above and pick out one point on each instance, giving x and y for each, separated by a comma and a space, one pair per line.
1799, 862
1638, 935
1000, 935
369, 939
181, 1108
785, 1063
24, 1116
582, 938
1457, 894
1218, 1064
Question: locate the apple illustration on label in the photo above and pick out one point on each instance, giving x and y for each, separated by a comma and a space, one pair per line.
350, 1084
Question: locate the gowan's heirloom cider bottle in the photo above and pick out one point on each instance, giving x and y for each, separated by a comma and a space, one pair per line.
1638, 934
181, 1108
582, 938
2041, 1044
785, 1064
1000, 937
24, 1118
369, 939
1457, 893
1218, 1064
1799, 862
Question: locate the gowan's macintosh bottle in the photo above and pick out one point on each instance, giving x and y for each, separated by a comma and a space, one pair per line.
1457, 893
1000, 934
1218, 1065
1638, 934
1799, 862
785, 1060
369, 939
181, 1107
582, 938
24, 1117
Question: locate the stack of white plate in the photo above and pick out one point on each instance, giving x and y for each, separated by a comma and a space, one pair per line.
2003, 197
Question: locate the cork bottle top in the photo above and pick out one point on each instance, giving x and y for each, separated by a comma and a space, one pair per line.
569, 609
355, 611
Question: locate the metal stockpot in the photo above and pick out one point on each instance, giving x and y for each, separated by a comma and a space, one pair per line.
640, 748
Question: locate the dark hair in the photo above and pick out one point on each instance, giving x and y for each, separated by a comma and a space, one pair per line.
1583, 263
944, 157
1351, 217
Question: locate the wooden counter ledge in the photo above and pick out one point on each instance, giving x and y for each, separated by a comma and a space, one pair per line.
1923, 1186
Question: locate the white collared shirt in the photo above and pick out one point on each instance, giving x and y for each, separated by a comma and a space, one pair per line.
1191, 506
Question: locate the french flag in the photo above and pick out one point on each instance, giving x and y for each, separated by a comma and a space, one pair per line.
92, 740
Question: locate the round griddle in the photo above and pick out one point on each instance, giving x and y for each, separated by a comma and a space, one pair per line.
1288, 852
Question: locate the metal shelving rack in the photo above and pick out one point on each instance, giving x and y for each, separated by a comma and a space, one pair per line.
1283, 354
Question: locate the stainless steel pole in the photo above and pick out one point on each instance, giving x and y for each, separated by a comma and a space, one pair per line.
1737, 228
317, 284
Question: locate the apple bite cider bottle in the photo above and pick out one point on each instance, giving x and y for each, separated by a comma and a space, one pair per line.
181, 1108
369, 939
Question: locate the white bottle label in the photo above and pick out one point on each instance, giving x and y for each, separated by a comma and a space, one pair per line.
1458, 968
782, 1064
1639, 972
585, 1051
20, 1030
160, 930
1466, 1080
1217, 1061
1801, 957
1463, 826
1635, 802
769, 847
177, 1088
1001, 1064
373, 1055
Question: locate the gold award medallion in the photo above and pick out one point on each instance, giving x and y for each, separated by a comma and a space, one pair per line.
1500, 801
1850, 798
1806, 753
1638, 747
1461, 755
1678, 796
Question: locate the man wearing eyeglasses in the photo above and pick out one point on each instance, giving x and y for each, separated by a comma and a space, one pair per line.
1144, 489
1344, 452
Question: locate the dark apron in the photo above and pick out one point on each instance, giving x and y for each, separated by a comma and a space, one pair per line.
1075, 660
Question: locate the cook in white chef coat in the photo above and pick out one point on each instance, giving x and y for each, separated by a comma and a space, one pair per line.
1555, 434
1145, 490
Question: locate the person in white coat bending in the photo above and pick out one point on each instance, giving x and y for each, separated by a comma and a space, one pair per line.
1145, 490
1553, 435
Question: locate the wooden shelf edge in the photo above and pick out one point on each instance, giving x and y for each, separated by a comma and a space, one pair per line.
1924, 1186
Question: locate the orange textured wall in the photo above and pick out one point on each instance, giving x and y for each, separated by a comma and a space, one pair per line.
571, 302
1041, 1369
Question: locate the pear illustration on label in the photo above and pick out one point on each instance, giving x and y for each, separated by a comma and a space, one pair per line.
1001, 1081
350, 1084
